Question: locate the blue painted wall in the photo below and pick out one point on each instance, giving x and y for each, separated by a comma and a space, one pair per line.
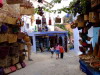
95, 35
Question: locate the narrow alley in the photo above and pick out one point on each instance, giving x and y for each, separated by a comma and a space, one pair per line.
43, 64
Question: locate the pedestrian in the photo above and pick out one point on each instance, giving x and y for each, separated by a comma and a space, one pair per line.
28, 44
41, 47
61, 51
57, 51
52, 51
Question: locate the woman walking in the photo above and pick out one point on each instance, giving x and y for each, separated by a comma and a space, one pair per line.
57, 51
52, 51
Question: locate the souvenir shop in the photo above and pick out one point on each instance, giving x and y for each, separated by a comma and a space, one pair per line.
48, 39
89, 46
12, 40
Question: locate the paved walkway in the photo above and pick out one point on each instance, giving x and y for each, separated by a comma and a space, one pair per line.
43, 64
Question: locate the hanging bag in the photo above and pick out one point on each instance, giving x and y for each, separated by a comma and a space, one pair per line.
14, 1
50, 22
38, 21
1, 3
58, 19
43, 20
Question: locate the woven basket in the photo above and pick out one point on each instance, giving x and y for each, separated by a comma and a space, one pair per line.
81, 22
14, 1
86, 17
26, 11
93, 17
94, 3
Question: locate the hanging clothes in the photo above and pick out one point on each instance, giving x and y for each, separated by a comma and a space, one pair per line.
38, 21
50, 22
43, 20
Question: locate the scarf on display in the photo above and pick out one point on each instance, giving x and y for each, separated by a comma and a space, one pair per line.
43, 20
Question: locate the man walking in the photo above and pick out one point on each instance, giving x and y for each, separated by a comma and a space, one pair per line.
61, 52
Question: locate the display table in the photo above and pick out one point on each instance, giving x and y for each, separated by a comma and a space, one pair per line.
87, 69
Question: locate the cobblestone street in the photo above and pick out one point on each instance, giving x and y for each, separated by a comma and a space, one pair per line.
43, 64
